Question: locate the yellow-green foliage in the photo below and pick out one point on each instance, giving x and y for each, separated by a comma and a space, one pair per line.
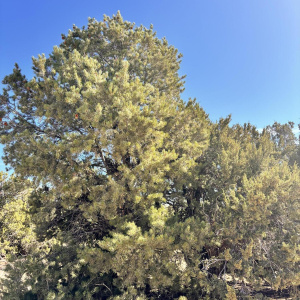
16, 227
134, 193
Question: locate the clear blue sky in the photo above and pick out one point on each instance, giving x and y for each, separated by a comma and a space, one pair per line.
240, 56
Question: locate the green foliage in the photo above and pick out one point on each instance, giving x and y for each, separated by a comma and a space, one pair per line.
16, 226
134, 194
285, 141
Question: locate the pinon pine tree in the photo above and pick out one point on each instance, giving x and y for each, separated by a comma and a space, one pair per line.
250, 198
102, 126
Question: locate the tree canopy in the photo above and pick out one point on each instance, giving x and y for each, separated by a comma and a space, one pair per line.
127, 191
